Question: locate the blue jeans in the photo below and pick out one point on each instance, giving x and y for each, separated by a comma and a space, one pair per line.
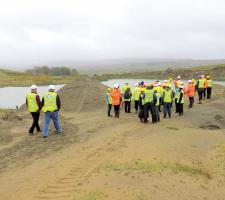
54, 117
167, 109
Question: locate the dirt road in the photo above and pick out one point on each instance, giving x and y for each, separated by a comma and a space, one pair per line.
100, 158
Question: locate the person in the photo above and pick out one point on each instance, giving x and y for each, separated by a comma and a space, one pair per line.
209, 87
180, 101
141, 105
50, 106
157, 104
150, 101
200, 87
33, 103
127, 99
116, 100
191, 93
108, 100
136, 94
168, 96
124, 88
176, 98
205, 87
177, 82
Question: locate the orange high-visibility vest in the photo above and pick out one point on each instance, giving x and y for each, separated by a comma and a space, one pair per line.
191, 90
116, 97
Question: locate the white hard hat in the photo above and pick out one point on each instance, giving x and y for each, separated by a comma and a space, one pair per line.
51, 87
136, 84
189, 81
203, 76
158, 83
33, 87
178, 77
181, 83
181, 87
116, 86
165, 81
155, 85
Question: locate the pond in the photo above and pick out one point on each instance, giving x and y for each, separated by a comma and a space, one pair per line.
10, 97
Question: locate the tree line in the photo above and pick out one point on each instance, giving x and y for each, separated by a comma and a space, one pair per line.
53, 71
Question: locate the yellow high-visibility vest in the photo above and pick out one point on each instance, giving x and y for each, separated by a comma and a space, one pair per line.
32, 102
201, 83
50, 102
209, 83
149, 95
168, 96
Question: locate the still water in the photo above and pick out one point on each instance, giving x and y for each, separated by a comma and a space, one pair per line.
121, 82
10, 97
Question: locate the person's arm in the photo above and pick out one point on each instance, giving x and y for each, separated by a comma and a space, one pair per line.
107, 99
181, 96
163, 96
43, 101
26, 101
38, 102
58, 102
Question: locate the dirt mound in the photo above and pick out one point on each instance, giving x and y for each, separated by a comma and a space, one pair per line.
83, 94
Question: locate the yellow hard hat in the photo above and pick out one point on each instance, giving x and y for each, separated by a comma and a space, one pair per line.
207, 76
149, 85
142, 89
109, 89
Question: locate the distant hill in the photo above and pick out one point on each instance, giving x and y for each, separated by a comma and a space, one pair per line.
217, 72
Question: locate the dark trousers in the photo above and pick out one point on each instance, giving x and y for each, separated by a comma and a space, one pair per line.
127, 106
200, 94
167, 109
136, 105
180, 108
160, 103
176, 106
191, 101
35, 124
109, 109
117, 111
157, 115
149, 107
209, 92
204, 93
141, 113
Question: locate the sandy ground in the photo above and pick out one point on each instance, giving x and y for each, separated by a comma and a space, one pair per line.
100, 158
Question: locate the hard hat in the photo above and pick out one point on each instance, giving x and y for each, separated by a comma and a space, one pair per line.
189, 81
109, 89
159, 84
207, 76
145, 84
193, 80
155, 85
33, 87
202, 76
168, 85
142, 82
170, 79
178, 77
181, 83
165, 81
142, 89
149, 84
181, 87
51, 87
116, 86
136, 84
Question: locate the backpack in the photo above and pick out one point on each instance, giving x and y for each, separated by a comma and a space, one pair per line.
126, 94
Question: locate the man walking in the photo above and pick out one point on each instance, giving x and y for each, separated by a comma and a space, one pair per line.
200, 87
209, 87
51, 105
168, 96
127, 99
116, 100
136, 94
191, 93
34, 106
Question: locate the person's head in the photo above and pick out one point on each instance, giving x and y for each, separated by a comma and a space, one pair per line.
149, 86
126, 84
203, 76
181, 88
136, 84
33, 88
189, 82
178, 77
167, 87
208, 77
109, 89
142, 83
51, 88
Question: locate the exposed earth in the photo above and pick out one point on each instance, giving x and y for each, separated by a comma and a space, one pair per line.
100, 158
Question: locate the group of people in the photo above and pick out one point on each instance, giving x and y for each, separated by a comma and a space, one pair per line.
148, 98
50, 105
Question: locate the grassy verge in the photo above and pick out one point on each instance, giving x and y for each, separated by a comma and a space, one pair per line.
151, 167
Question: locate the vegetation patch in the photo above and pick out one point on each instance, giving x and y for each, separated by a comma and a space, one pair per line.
92, 195
151, 167
172, 128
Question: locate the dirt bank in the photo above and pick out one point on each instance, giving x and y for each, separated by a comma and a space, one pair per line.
104, 158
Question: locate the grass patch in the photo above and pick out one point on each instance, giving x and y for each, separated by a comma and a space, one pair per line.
151, 167
92, 195
172, 128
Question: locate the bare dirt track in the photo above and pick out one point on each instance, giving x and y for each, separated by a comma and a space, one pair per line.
100, 158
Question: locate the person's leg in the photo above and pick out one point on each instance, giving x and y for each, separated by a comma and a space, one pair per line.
136, 105
55, 118
209, 93
46, 125
204, 93
157, 113
152, 110
31, 130
114, 110
169, 109
109, 109
182, 109
128, 106
165, 109
176, 110
37, 116
146, 109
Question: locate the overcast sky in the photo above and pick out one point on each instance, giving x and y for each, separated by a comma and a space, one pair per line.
36, 32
